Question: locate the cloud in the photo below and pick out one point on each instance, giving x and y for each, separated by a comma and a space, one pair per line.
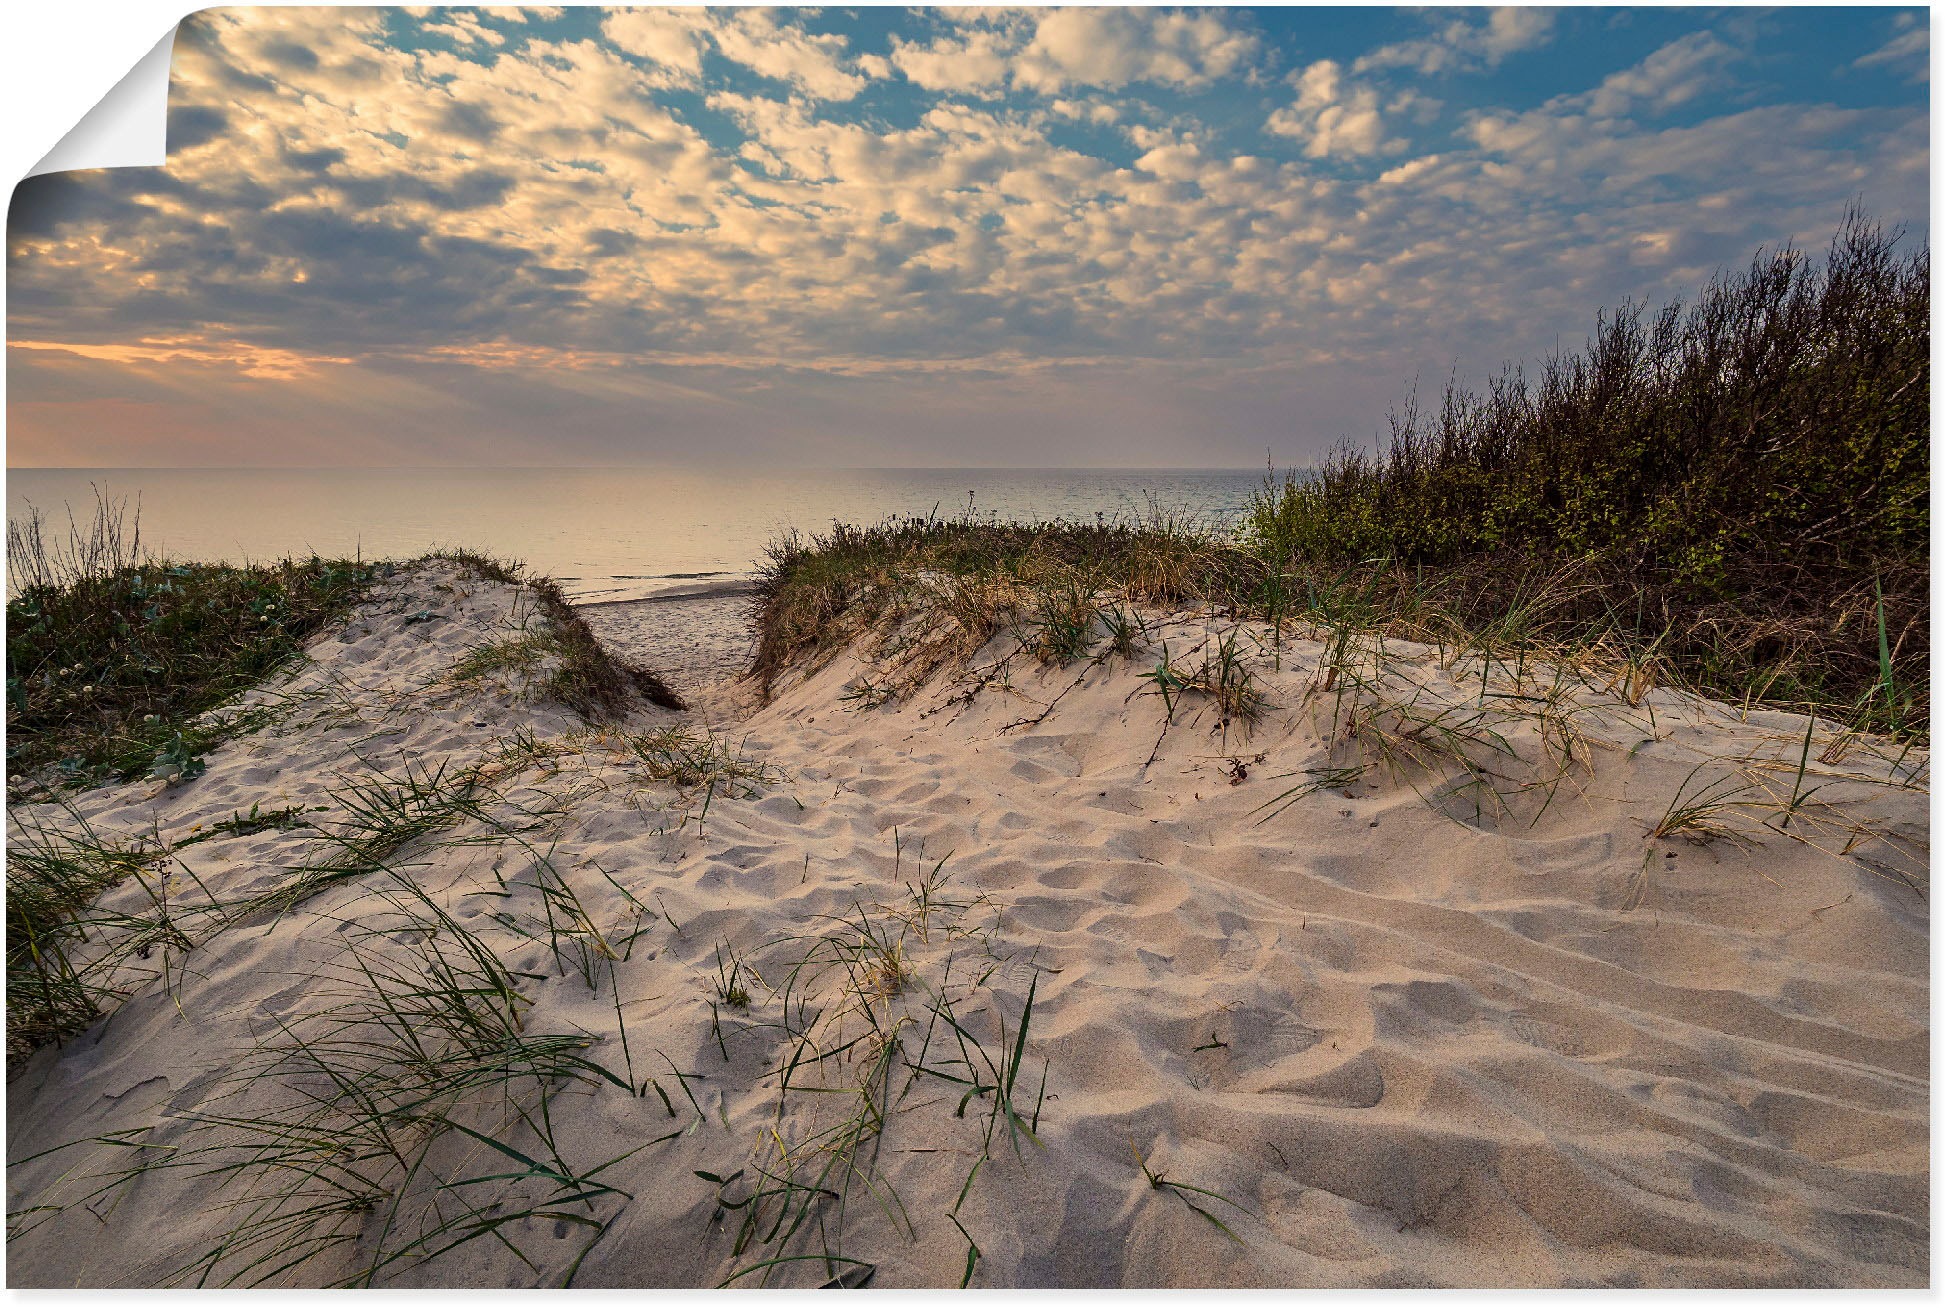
653, 218
813, 64
1908, 52
463, 26
675, 40
981, 52
1332, 116
1677, 73
1571, 135
1460, 45
1098, 112
239, 356
671, 38
977, 61
1114, 47
1512, 29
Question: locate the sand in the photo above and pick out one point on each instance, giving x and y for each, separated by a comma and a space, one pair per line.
694, 642
1393, 1031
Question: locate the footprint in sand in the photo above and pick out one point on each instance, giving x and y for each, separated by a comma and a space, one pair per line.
1144, 887
1241, 948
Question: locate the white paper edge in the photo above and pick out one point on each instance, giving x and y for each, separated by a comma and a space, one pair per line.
129, 128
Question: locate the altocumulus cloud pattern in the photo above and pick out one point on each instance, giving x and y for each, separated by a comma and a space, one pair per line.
1173, 237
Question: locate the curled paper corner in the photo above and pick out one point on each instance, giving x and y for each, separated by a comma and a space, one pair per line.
129, 128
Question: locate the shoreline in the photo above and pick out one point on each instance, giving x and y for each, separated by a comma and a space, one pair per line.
701, 590
698, 642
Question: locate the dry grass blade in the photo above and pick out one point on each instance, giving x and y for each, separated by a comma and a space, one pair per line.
860, 1016
333, 1147
1700, 815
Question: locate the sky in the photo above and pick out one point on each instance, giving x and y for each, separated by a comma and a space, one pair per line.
925, 238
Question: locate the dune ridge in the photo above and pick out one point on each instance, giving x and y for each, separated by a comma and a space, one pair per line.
1031, 976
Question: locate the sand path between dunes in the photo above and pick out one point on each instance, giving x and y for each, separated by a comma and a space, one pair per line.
693, 643
1391, 1030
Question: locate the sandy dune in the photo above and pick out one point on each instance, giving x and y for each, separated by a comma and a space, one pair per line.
1457, 1024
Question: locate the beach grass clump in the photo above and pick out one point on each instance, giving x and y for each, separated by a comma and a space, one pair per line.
584, 676
1199, 1205
376, 817
1698, 810
515, 656
404, 1116
818, 592
484, 566
871, 1021
74, 954
91, 920
690, 759
55, 872
289, 817
1222, 677
731, 990
1060, 626
114, 657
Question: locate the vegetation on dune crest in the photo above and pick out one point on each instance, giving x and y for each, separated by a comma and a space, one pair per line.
587, 678
112, 655
1741, 484
115, 658
1784, 413
1731, 495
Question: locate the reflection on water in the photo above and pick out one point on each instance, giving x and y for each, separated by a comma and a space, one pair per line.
589, 526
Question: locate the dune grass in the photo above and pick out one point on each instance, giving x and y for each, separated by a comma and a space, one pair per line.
409, 1108
1784, 412
587, 678
884, 1012
67, 956
1737, 487
1730, 496
583, 676
1854, 651
402, 1117
120, 665
113, 656
116, 658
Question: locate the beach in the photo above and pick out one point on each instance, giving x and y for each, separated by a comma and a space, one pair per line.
1025, 648
1411, 968
694, 641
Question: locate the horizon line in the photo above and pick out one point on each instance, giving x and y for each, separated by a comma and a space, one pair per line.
637, 467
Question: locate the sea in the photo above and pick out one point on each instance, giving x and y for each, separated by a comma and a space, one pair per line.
604, 533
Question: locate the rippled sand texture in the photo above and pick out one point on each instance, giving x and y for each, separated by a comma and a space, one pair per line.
1433, 1026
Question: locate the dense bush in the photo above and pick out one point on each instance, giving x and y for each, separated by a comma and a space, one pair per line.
1786, 409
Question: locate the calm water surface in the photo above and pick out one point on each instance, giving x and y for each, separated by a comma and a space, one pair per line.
603, 531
